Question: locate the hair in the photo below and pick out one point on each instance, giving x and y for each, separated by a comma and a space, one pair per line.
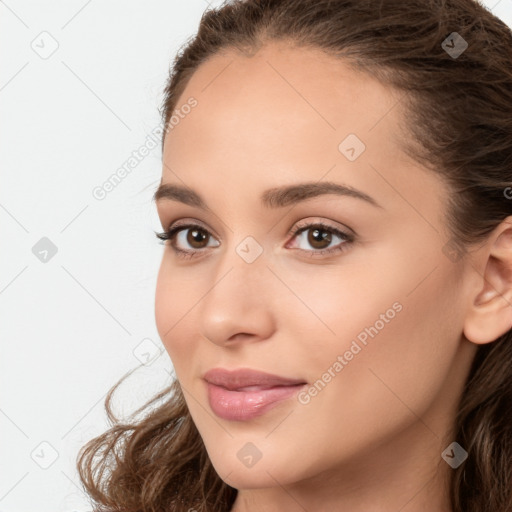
459, 125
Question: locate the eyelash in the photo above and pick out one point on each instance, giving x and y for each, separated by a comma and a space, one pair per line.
347, 238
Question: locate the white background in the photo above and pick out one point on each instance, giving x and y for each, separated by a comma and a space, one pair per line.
74, 324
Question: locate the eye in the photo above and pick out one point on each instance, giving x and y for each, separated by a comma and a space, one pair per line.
319, 238
192, 234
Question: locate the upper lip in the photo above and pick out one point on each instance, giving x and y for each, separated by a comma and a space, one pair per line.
244, 377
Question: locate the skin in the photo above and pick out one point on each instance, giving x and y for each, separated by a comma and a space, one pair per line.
372, 438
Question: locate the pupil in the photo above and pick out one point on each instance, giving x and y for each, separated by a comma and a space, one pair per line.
196, 236
319, 236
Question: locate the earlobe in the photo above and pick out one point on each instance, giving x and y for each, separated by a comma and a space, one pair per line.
490, 314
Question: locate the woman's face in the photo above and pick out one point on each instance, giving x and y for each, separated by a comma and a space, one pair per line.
370, 320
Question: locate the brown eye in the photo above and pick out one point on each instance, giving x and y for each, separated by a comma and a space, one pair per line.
196, 237
319, 238
187, 239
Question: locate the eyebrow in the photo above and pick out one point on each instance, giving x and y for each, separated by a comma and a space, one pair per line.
277, 197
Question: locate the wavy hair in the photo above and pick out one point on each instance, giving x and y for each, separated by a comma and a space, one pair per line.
459, 124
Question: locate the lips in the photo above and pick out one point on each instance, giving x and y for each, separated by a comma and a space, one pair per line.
244, 394
245, 379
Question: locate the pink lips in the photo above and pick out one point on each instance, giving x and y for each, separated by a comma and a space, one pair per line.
243, 394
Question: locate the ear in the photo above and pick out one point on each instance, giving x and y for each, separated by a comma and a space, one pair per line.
490, 308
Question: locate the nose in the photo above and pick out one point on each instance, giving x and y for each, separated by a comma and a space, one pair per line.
241, 302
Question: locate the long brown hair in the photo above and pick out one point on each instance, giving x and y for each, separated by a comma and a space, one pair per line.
459, 121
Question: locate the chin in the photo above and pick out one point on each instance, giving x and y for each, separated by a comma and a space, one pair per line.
250, 478
261, 474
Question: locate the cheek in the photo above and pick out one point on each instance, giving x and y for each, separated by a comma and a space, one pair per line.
174, 301
393, 354
339, 307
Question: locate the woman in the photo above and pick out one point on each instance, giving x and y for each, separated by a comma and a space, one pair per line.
336, 287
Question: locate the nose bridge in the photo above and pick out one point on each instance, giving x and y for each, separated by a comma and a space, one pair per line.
243, 274
240, 298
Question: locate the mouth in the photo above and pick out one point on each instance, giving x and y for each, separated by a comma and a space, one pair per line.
244, 394
241, 378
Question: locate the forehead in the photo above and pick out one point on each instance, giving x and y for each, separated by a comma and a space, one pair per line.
282, 96
283, 116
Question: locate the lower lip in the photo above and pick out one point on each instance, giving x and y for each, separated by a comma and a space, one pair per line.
245, 405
